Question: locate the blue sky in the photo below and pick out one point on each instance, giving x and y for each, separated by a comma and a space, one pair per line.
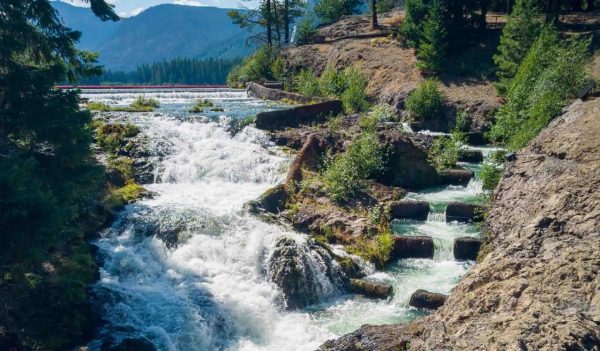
126, 8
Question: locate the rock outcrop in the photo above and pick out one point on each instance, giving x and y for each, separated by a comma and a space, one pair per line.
306, 273
538, 286
428, 300
274, 93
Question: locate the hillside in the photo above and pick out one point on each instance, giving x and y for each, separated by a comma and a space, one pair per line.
159, 33
391, 67
537, 287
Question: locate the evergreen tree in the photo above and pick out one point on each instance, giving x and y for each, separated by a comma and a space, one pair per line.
432, 48
518, 35
330, 11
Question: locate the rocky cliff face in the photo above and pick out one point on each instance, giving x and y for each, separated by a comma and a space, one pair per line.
537, 288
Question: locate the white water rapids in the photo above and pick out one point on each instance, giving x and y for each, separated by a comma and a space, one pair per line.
210, 291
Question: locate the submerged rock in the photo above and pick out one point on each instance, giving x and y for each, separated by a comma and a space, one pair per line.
458, 211
457, 177
466, 248
425, 299
305, 272
412, 247
409, 209
371, 288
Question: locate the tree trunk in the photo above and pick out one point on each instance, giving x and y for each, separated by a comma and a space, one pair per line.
277, 22
484, 9
286, 19
374, 24
269, 24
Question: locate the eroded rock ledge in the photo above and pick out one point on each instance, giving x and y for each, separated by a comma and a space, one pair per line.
537, 288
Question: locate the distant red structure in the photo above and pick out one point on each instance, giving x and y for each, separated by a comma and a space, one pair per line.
182, 86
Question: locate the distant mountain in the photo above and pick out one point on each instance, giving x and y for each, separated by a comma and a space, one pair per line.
159, 33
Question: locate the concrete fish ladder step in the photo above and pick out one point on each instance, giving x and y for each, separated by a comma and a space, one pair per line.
412, 247
465, 213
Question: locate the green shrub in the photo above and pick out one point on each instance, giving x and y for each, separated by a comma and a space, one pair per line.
363, 159
113, 137
255, 68
142, 104
380, 113
444, 153
333, 82
117, 198
308, 84
98, 106
354, 98
549, 77
306, 31
330, 11
376, 250
124, 165
200, 106
426, 101
462, 121
490, 175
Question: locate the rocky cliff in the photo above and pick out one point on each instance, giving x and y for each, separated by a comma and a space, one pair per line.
536, 286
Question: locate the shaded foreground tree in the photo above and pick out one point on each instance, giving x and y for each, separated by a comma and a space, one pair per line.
48, 179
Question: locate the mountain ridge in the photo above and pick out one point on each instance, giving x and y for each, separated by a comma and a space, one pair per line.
159, 33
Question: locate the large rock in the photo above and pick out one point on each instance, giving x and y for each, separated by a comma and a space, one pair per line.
462, 212
457, 177
407, 166
305, 272
273, 92
409, 209
298, 116
425, 299
536, 287
371, 288
466, 248
412, 247
473, 156
273, 200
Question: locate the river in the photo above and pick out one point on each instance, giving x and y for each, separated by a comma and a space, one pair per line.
209, 291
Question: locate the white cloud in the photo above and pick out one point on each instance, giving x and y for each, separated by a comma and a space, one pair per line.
131, 13
189, 3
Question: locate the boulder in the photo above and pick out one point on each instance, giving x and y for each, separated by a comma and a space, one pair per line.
307, 158
466, 248
474, 156
476, 138
406, 165
412, 247
371, 288
409, 209
297, 116
425, 299
305, 272
458, 211
456, 177
273, 201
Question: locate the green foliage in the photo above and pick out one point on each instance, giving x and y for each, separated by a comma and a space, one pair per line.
518, 35
330, 11
345, 173
547, 80
255, 68
98, 106
415, 13
444, 153
384, 6
380, 113
308, 84
176, 71
354, 98
306, 31
376, 250
426, 101
117, 198
142, 104
113, 137
200, 106
432, 46
462, 121
124, 165
490, 176
333, 82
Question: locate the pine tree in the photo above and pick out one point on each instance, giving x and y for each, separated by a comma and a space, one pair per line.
432, 47
518, 36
